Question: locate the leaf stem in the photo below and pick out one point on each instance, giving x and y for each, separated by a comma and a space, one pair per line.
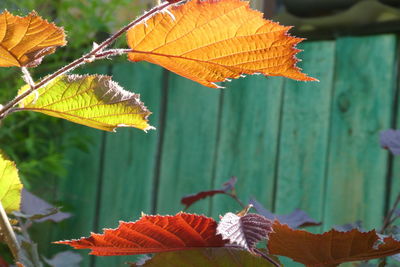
236, 199
96, 53
265, 256
7, 231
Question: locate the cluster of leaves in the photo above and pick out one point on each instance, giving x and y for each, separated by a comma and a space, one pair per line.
196, 238
26, 209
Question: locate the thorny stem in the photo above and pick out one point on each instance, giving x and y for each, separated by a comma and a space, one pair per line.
94, 54
389, 219
9, 234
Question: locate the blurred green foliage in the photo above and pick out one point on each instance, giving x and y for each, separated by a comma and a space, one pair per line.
32, 140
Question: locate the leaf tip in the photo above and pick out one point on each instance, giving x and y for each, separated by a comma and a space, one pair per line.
149, 128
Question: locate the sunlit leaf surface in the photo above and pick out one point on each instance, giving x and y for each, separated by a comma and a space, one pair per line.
92, 100
10, 185
210, 41
151, 234
24, 41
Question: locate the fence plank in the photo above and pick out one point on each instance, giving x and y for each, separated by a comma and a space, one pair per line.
304, 133
248, 140
361, 108
129, 156
394, 173
189, 143
78, 190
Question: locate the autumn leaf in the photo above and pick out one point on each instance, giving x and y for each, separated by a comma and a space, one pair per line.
206, 257
228, 186
295, 219
24, 41
152, 234
10, 185
92, 100
245, 231
330, 248
213, 40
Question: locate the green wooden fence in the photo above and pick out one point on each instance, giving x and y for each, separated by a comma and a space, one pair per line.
291, 144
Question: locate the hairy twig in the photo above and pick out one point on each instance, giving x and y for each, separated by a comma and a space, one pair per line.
7, 231
96, 53
27, 77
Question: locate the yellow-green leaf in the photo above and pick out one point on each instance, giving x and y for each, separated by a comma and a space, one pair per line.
92, 100
10, 185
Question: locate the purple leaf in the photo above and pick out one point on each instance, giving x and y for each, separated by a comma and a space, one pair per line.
38, 210
349, 226
245, 231
396, 257
65, 259
230, 184
296, 219
390, 139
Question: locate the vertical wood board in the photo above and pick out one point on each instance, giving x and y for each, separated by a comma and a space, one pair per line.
189, 142
395, 171
304, 133
248, 140
129, 156
361, 108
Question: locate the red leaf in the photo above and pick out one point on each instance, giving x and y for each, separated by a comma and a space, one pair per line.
152, 234
330, 248
189, 200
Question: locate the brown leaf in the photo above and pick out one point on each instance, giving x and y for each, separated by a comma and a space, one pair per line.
24, 41
211, 41
152, 234
245, 231
330, 248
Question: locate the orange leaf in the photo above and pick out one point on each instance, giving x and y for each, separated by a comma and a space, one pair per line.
330, 248
151, 234
213, 40
24, 41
